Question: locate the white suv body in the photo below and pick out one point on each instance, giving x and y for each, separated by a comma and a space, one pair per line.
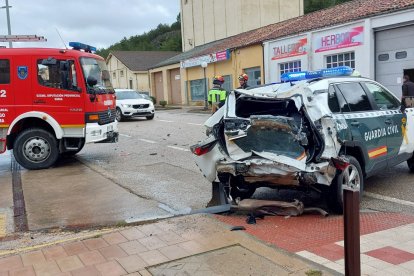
129, 103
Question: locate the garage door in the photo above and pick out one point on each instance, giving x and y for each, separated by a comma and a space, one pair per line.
159, 86
175, 96
394, 56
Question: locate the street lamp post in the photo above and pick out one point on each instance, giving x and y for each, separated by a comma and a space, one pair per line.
8, 20
204, 66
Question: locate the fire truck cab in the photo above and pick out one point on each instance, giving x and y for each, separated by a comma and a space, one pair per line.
52, 102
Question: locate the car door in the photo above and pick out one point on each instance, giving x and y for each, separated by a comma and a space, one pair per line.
367, 126
395, 121
58, 91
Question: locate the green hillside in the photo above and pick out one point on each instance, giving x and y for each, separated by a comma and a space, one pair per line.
314, 5
163, 38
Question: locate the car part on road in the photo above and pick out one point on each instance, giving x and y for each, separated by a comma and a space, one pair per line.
272, 208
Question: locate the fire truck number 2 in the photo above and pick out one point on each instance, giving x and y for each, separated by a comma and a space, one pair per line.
2, 93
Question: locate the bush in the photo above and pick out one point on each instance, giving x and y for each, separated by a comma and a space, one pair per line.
163, 103
153, 99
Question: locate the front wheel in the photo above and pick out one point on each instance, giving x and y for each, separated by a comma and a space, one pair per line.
150, 117
35, 149
118, 115
410, 163
351, 177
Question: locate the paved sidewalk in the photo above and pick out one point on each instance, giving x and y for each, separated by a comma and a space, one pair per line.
190, 245
387, 240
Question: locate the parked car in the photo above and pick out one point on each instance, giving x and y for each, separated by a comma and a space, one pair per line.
325, 133
130, 103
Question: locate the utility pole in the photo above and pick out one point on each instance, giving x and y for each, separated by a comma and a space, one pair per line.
8, 20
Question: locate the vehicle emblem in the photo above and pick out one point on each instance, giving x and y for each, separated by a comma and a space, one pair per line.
22, 72
109, 112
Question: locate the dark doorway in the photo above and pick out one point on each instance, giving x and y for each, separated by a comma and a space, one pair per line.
410, 73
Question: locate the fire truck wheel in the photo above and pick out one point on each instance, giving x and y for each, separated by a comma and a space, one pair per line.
35, 149
410, 163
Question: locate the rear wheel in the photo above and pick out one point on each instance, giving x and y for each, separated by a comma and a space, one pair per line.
35, 149
410, 163
118, 115
150, 117
351, 177
241, 189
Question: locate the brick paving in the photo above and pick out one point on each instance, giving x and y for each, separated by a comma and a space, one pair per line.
137, 250
387, 240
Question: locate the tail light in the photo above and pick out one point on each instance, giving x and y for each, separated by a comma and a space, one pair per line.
203, 148
341, 163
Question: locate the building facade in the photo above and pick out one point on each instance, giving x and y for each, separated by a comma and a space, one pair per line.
379, 47
204, 21
129, 69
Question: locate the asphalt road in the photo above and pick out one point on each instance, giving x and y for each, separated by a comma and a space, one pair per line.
150, 174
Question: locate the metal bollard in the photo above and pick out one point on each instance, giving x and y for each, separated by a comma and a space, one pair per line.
352, 232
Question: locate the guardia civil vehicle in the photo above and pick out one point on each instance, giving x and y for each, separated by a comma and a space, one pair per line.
324, 130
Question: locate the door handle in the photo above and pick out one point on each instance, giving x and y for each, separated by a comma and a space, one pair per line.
388, 121
355, 123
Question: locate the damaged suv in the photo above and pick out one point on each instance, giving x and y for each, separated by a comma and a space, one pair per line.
322, 133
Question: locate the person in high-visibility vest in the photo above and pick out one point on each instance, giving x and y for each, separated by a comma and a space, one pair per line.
217, 95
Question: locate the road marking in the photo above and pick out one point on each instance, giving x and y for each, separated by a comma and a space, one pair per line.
178, 148
390, 199
193, 124
2, 225
120, 134
165, 121
148, 141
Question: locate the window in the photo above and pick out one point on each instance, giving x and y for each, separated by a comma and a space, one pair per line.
293, 66
198, 89
383, 57
401, 55
343, 59
59, 74
121, 73
228, 84
382, 97
4, 71
131, 84
254, 76
114, 75
336, 101
355, 96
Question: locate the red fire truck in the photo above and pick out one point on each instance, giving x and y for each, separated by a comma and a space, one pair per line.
52, 102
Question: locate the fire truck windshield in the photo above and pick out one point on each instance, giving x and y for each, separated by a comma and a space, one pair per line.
96, 69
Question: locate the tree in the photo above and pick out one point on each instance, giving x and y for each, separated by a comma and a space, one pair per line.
163, 38
315, 5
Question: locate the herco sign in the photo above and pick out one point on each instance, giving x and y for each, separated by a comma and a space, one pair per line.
342, 39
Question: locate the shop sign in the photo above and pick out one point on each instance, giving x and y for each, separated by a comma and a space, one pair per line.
211, 58
347, 38
286, 50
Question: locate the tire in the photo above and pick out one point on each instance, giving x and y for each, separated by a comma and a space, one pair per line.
150, 117
35, 149
335, 197
410, 163
118, 115
240, 189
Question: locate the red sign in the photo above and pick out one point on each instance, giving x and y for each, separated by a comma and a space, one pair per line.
290, 50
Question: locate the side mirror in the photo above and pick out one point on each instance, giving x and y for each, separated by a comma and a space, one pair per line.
91, 81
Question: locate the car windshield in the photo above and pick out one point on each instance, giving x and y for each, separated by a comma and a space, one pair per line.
96, 69
128, 95
145, 96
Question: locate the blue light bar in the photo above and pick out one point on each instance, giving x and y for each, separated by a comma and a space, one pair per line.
324, 73
81, 46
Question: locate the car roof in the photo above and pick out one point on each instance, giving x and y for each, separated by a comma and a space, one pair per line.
124, 90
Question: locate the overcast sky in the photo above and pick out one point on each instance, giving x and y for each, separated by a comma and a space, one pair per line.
99, 23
